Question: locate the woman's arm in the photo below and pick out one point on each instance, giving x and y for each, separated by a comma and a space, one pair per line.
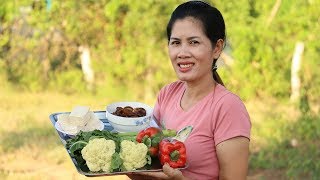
233, 157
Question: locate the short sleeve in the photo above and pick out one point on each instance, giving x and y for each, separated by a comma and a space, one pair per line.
232, 119
156, 111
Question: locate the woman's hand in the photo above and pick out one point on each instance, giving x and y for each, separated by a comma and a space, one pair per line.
168, 173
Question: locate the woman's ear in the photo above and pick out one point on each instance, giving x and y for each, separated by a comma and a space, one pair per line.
218, 49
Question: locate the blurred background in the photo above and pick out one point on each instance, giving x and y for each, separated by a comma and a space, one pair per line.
56, 54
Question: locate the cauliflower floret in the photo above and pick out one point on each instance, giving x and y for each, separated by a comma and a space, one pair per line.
98, 154
133, 155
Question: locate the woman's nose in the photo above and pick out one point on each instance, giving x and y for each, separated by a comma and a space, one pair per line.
183, 52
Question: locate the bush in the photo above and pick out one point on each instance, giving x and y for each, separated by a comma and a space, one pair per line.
69, 82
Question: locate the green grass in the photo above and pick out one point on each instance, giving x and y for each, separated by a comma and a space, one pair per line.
287, 141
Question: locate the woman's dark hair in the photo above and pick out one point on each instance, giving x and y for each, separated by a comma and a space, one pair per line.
212, 22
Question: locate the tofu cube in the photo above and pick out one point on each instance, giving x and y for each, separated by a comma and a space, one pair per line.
80, 115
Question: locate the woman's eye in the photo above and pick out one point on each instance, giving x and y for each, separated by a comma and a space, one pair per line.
174, 42
194, 42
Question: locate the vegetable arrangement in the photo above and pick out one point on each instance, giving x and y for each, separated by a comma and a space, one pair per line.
100, 150
105, 151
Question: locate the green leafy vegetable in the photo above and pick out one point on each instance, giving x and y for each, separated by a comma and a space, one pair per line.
116, 162
77, 146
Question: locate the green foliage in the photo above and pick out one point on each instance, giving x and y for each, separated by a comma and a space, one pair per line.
122, 35
118, 34
69, 82
2, 72
16, 72
263, 52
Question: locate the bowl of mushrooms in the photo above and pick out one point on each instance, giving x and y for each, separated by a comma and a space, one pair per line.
129, 116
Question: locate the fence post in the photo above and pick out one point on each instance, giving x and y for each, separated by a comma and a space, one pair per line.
295, 68
86, 66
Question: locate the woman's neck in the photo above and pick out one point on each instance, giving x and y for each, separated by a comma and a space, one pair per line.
195, 92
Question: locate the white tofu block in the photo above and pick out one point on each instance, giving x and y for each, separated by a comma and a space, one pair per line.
66, 125
80, 115
93, 123
69, 129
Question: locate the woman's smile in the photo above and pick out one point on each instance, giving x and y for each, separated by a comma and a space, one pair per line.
185, 66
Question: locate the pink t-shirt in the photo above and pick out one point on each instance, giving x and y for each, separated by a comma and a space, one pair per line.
219, 116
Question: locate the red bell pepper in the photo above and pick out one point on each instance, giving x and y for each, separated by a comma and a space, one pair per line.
152, 137
172, 152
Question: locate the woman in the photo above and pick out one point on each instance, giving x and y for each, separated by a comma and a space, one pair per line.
218, 146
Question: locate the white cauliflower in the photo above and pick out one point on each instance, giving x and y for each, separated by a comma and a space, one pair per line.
98, 154
133, 155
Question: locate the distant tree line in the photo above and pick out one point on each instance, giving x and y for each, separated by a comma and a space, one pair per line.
39, 44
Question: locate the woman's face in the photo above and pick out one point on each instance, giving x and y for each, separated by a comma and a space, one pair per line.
191, 51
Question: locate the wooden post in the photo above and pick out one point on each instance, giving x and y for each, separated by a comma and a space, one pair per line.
86, 66
295, 68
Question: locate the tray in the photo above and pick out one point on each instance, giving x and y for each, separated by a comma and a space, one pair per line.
154, 167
